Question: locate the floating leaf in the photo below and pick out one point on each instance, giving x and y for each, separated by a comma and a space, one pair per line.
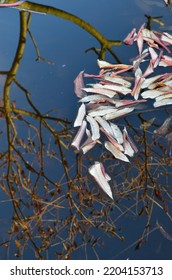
163, 102
131, 37
104, 91
98, 173
117, 133
94, 128
78, 85
115, 152
104, 64
128, 103
97, 98
114, 142
150, 81
152, 94
105, 125
128, 149
166, 37
140, 39
139, 79
164, 96
118, 113
89, 143
78, 138
102, 110
80, 116
117, 80
165, 61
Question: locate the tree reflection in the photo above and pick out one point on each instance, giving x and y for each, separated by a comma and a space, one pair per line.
60, 215
105, 44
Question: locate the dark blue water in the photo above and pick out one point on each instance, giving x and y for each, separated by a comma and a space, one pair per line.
62, 45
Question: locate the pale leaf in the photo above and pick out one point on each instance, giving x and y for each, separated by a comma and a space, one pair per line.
162, 102
117, 133
105, 125
101, 111
77, 140
94, 127
115, 152
118, 113
104, 91
80, 115
78, 85
100, 177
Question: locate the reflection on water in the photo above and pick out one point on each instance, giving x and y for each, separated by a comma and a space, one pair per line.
49, 206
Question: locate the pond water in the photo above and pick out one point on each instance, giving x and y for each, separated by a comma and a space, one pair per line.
50, 207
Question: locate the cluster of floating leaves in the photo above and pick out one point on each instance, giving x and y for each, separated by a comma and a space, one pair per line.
118, 91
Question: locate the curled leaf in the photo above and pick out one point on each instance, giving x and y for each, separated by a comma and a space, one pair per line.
129, 146
80, 116
113, 141
131, 37
115, 152
163, 102
165, 61
94, 128
89, 143
78, 138
105, 125
109, 92
117, 80
78, 85
102, 111
104, 64
118, 113
98, 173
117, 133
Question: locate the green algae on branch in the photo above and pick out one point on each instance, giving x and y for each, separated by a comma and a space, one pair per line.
39, 8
